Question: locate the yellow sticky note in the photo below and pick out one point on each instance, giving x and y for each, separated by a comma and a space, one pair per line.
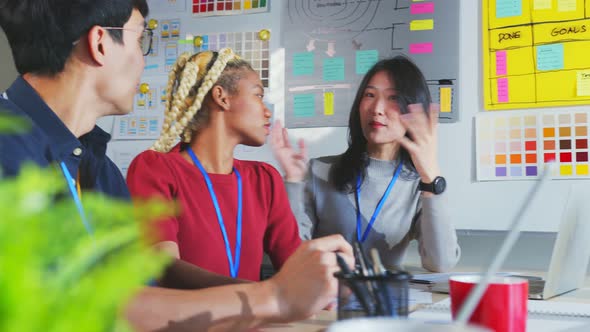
583, 83
417, 25
542, 4
328, 103
566, 5
445, 100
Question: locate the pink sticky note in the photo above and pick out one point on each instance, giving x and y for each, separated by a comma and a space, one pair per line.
422, 8
503, 90
501, 63
420, 48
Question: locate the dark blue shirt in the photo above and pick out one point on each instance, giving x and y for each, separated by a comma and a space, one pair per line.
49, 142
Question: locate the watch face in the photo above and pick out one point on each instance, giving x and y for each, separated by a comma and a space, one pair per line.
440, 185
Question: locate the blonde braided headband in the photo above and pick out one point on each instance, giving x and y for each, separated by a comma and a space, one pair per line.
182, 106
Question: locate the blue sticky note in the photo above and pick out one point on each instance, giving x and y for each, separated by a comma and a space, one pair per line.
334, 69
365, 60
304, 105
508, 8
303, 64
550, 57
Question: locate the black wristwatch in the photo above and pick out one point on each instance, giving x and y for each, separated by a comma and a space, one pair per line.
436, 187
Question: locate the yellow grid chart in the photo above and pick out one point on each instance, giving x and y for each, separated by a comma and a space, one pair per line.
536, 53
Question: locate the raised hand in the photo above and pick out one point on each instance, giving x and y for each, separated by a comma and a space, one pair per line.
423, 142
293, 163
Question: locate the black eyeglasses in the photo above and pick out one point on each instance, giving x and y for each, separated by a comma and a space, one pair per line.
147, 36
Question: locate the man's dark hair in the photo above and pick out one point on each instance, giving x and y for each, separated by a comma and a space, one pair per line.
41, 33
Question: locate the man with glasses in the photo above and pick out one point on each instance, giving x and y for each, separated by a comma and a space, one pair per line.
81, 60
147, 37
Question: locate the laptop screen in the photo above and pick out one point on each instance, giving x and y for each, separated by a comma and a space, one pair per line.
571, 252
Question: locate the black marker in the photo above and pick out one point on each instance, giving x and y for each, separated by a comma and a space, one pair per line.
420, 281
368, 271
382, 295
360, 292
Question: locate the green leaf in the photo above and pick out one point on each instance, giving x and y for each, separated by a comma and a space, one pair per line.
54, 276
10, 124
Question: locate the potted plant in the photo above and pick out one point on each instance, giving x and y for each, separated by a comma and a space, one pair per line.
53, 275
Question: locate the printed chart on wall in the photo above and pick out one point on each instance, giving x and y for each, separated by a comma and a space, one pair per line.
166, 46
515, 145
330, 45
145, 121
170, 39
535, 53
228, 7
252, 46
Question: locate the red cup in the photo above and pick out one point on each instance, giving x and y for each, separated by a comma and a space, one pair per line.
503, 307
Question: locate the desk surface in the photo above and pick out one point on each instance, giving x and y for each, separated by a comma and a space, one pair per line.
317, 323
321, 321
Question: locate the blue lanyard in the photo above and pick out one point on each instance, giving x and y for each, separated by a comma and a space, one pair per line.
73, 191
233, 266
377, 209
77, 200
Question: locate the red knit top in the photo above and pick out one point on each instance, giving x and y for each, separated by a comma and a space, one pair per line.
268, 224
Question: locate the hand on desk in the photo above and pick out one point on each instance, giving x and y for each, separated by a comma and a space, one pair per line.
306, 283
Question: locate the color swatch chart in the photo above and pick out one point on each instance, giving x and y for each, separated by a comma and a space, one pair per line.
516, 145
533, 53
247, 44
228, 7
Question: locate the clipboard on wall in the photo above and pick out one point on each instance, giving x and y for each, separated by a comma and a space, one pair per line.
443, 92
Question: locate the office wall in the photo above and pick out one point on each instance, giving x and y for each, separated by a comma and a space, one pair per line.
533, 249
475, 205
7, 70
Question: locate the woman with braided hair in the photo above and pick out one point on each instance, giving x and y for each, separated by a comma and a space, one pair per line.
232, 211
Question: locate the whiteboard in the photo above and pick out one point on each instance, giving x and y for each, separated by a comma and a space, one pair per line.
330, 45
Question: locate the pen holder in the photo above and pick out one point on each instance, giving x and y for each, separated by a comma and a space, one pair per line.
372, 296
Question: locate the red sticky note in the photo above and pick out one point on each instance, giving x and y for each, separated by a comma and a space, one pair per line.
420, 48
422, 8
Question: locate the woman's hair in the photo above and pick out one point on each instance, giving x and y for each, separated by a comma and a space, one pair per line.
189, 83
411, 88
